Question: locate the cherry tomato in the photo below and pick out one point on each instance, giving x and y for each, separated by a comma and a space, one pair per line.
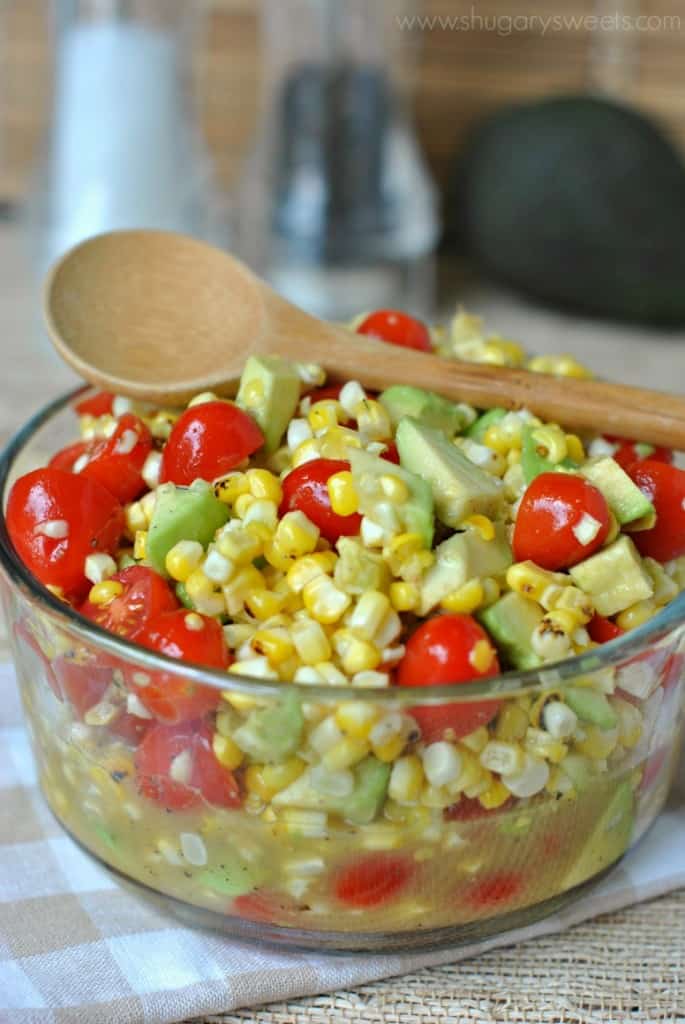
264, 906
472, 810
553, 514
66, 458
665, 487
130, 728
443, 650
321, 394
305, 489
95, 405
117, 461
207, 779
82, 682
602, 630
391, 454
168, 696
398, 329
500, 888
144, 596
372, 880
49, 501
627, 454
207, 441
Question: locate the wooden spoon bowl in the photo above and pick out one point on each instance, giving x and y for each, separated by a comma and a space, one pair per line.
160, 316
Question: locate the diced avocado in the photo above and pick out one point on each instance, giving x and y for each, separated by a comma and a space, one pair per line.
591, 706
426, 406
270, 391
460, 489
511, 621
624, 498
360, 807
534, 462
232, 877
274, 732
478, 429
183, 513
416, 513
608, 840
463, 557
614, 577
358, 569
371, 778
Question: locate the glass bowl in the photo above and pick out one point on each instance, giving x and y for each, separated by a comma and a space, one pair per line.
338, 870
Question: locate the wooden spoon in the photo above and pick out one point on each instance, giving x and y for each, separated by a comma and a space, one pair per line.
159, 316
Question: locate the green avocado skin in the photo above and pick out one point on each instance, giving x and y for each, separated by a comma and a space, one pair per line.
579, 202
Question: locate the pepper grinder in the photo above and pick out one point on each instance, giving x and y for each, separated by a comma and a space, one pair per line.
337, 209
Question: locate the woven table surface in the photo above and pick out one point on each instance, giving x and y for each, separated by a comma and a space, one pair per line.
623, 967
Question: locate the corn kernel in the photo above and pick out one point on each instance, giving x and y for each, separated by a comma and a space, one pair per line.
198, 585
183, 559
342, 494
241, 545
324, 414
496, 439
550, 442
265, 780
346, 753
390, 749
305, 452
99, 567
476, 740
373, 420
310, 640
275, 644
491, 591
230, 487
406, 779
481, 656
360, 656
404, 597
277, 557
227, 752
135, 518
494, 796
528, 579
539, 743
336, 442
242, 504
296, 535
574, 448
369, 614
245, 582
559, 366
356, 718
264, 604
308, 568
394, 489
638, 613
465, 599
105, 592
263, 484
324, 601
597, 744
482, 525
503, 758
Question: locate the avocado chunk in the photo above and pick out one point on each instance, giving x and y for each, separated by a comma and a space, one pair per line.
591, 706
478, 430
534, 462
416, 513
614, 578
463, 557
358, 569
608, 840
511, 621
426, 406
272, 733
361, 806
183, 513
270, 391
624, 498
460, 489
232, 877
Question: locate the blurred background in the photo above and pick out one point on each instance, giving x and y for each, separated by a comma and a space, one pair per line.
523, 159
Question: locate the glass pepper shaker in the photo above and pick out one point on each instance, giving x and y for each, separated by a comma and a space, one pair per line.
337, 209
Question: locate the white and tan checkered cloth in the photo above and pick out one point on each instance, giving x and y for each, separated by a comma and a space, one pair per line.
76, 947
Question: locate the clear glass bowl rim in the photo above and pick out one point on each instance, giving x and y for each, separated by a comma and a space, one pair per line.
511, 683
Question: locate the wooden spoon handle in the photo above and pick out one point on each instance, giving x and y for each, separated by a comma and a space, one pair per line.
586, 405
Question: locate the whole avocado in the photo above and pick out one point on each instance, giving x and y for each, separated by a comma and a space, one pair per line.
580, 202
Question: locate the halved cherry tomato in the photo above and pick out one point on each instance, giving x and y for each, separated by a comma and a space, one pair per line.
67, 457
117, 461
494, 891
327, 392
449, 649
207, 441
305, 488
130, 728
627, 454
602, 630
190, 637
82, 682
95, 405
391, 453
397, 328
665, 487
264, 906
49, 501
207, 779
561, 520
373, 879
144, 596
